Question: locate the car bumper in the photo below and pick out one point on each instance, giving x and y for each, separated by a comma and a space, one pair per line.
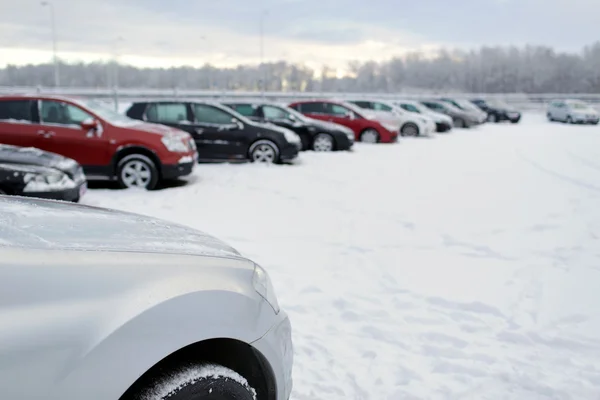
184, 167
443, 127
389, 137
276, 346
343, 142
290, 151
586, 120
71, 194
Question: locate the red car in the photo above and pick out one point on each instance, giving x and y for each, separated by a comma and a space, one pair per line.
368, 126
108, 145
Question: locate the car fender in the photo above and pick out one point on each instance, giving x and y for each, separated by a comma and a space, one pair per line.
157, 319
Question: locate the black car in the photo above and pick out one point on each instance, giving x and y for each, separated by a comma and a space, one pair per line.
221, 133
498, 111
31, 172
315, 135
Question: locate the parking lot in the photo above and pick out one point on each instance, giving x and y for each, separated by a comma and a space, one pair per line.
441, 267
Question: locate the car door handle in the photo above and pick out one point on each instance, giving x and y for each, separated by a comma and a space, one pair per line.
199, 131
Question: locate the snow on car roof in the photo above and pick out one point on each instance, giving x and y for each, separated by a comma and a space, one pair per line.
52, 225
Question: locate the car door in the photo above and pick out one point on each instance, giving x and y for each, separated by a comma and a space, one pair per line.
314, 109
221, 135
59, 131
16, 122
171, 113
340, 114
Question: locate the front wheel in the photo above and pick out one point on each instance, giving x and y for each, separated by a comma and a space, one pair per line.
569, 120
410, 129
209, 382
264, 151
323, 142
492, 118
459, 123
137, 171
369, 136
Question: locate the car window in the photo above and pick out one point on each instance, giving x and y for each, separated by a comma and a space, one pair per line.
167, 112
314, 108
208, 114
336, 109
410, 107
363, 104
271, 112
58, 112
381, 107
18, 110
247, 110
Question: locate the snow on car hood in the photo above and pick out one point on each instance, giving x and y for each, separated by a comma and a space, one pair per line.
383, 116
158, 129
52, 225
36, 157
329, 125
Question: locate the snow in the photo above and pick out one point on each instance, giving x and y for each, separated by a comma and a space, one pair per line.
466, 265
194, 374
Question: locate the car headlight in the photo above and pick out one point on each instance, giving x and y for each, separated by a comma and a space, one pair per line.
47, 181
174, 144
264, 287
291, 136
390, 127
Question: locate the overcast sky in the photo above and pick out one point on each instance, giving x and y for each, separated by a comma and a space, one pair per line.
226, 32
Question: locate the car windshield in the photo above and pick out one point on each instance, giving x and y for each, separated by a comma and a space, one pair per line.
105, 112
295, 115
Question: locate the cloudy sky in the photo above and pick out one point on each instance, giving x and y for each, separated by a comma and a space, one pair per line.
226, 32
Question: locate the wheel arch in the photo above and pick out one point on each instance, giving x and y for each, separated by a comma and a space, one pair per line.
332, 136
127, 150
369, 128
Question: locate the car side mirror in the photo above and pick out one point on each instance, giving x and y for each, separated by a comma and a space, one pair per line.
351, 116
89, 125
236, 124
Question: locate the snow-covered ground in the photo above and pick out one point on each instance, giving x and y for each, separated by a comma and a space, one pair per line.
465, 266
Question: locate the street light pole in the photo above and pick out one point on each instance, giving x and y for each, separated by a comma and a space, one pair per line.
261, 21
53, 24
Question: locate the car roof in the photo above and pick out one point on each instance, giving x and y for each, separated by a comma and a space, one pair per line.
52, 225
40, 97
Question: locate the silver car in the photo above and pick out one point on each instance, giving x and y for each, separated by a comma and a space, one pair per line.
102, 305
572, 112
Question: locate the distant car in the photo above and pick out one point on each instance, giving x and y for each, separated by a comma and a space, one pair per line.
498, 111
479, 115
220, 133
98, 304
443, 123
460, 118
35, 173
315, 135
368, 126
108, 145
412, 124
572, 112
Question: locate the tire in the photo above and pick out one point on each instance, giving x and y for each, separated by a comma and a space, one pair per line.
569, 120
460, 123
137, 170
549, 116
370, 136
323, 142
492, 118
410, 129
264, 151
211, 382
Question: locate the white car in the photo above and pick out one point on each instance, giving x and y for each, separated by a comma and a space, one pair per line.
443, 123
411, 124
572, 112
97, 304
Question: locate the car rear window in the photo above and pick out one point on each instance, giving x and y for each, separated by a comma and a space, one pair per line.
15, 110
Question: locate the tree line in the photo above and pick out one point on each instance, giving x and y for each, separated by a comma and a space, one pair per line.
527, 69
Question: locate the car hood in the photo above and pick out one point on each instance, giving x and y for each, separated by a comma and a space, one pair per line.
157, 129
31, 156
587, 111
51, 225
330, 126
383, 116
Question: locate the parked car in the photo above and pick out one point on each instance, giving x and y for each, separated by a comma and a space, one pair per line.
498, 111
220, 132
468, 107
315, 135
443, 123
460, 118
572, 112
99, 304
411, 123
108, 145
367, 126
30, 172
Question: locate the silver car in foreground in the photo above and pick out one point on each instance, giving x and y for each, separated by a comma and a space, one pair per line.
102, 305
